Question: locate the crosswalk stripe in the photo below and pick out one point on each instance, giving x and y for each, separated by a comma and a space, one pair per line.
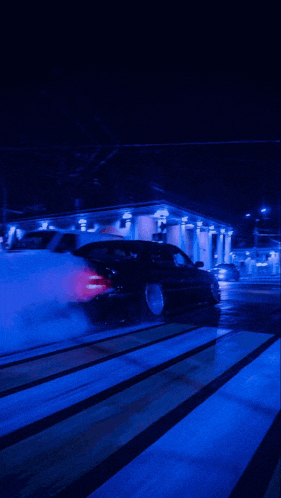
261, 464
54, 350
207, 451
203, 387
247, 347
100, 352
135, 409
130, 369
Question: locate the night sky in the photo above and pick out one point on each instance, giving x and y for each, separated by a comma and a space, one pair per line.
71, 133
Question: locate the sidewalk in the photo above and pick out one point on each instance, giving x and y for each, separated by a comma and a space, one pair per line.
261, 279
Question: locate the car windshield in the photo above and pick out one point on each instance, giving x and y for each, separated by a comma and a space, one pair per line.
33, 240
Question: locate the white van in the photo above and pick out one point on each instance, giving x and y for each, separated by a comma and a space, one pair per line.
59, 240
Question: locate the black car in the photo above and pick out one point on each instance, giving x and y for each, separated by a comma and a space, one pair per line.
157, 278
226, 272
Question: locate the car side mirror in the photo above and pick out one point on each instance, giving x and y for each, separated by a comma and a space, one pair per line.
199, 264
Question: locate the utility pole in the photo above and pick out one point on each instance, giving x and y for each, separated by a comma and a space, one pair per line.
4, 208
256, 240
4, 215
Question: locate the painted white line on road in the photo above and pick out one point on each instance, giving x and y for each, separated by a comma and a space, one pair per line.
109, 425
39, 369
92, 334
205, 454
25, 407
260, 291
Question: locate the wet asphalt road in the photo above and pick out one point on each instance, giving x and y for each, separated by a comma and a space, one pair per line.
254, 307
192, 404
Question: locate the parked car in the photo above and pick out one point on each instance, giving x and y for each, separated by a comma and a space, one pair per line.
226, 272
157, 278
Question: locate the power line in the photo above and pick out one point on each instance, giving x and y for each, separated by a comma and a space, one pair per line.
202, 143
119, 146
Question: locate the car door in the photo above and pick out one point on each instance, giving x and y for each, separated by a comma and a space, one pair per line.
163, 271
193, 282
123, 259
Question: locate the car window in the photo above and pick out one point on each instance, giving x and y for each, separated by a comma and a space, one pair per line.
161, 256
180, 259
66, 243
97, 252
121, 253
33, 240
104, 251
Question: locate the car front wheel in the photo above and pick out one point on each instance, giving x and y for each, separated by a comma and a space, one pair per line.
215, 293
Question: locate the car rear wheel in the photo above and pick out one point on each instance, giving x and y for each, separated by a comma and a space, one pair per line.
153, 301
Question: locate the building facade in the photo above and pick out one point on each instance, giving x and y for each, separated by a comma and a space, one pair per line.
200, 237
258, 262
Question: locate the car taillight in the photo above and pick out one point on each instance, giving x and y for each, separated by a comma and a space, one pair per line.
86, 284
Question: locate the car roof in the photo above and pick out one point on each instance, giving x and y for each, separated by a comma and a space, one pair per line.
134, 244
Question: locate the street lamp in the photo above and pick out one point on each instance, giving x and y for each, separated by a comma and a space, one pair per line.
262, 211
